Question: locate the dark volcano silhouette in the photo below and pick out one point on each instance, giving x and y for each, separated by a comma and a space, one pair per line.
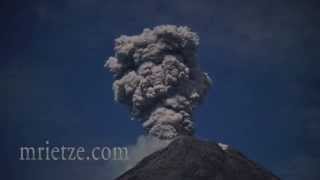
187, 158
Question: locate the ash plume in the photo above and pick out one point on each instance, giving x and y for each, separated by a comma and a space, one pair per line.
158, 78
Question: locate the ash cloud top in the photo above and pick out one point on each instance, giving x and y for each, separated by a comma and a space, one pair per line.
158, 78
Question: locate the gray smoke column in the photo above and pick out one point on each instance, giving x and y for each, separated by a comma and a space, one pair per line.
158, 78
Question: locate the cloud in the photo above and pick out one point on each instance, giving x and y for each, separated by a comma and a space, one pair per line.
158, 77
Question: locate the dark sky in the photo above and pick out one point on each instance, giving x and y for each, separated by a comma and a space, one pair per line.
264, 57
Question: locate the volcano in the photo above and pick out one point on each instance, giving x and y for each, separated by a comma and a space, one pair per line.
187, 158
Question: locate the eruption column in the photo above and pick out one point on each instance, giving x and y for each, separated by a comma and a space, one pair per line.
157, 77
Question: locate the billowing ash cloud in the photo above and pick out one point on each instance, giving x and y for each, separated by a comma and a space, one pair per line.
158, 78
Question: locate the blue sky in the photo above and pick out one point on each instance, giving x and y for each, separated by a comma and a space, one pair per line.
263, 56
